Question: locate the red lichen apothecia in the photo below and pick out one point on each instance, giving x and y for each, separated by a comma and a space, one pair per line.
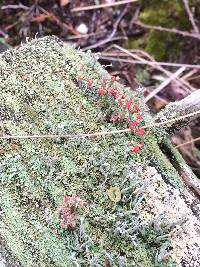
69, 212
108, 87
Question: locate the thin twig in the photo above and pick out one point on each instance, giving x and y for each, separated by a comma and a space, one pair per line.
55, 136
172, 120
189, 74
107, 40
56, 19
149, 88
85, 35
78, 9
184, 84
191, 17
3, 34
20, 6
83, 135
180, 82
172, 30
108, 56
189, 142
111, 36
164, 84
194, 78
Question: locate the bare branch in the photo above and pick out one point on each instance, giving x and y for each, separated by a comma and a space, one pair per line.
163, 29
20, 6
185, 85
107, 40
187, 106
97, 134
3, 34
191, 17
111, 36
189, 142
113, 57
78, 9
56, 136
164, 84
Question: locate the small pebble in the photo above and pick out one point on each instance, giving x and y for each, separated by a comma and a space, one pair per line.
82, 28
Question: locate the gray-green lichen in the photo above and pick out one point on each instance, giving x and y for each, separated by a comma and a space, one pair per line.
40, 94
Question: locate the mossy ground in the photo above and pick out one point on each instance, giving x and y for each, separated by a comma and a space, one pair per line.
39, 95
168, 14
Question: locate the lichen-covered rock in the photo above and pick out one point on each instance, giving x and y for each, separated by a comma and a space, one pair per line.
123, 213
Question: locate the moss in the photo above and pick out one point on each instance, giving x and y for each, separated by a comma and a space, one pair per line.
161, 45
40, 95
163, 164
169, 14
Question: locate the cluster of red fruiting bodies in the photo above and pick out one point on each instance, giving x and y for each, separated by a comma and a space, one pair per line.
3, 150
124, 101
69, 216
129, 103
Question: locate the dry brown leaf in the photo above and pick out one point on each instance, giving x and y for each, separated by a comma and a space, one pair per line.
64, 2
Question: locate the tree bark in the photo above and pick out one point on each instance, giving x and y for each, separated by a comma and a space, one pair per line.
186, 109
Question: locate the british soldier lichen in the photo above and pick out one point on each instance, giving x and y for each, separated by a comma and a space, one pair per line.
47, 87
